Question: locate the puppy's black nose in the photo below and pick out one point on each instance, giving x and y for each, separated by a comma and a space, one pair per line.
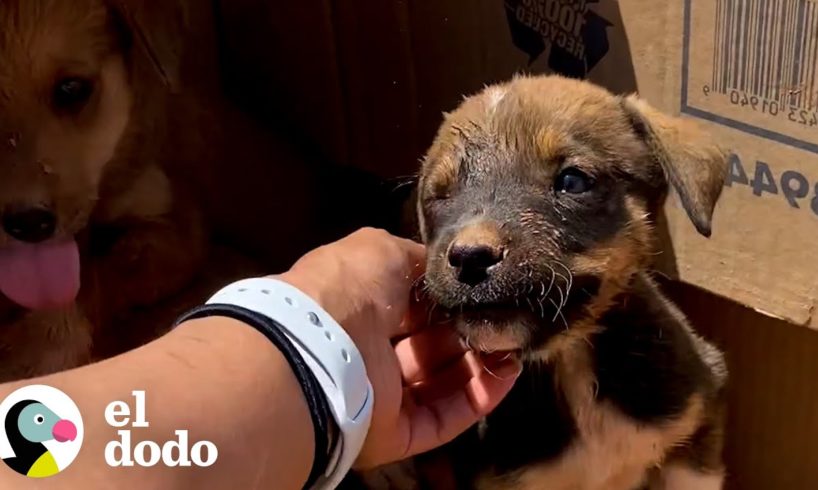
32, 225
475, 249
472, 261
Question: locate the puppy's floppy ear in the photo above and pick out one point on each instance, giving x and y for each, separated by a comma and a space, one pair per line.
156, 31
694, 165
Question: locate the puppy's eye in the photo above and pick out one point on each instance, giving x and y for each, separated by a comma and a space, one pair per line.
573, 181
72, 94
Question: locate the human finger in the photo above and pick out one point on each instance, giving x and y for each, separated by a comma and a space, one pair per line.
434, 424
425, 352
442, 384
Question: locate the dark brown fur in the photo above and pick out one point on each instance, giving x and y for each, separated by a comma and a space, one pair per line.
618, 391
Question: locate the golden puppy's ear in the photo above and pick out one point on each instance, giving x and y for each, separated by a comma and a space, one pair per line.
692, 163
157, 32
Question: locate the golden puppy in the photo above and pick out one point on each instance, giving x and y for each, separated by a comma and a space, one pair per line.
88, 130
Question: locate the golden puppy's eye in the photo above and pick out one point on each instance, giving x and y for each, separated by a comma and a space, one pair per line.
72, 94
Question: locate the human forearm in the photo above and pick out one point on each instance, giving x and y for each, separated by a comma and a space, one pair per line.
217, 378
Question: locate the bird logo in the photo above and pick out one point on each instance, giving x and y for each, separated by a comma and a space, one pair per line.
42, 432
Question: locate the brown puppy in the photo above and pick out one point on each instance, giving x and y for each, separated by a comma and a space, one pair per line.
87, 131
537, 201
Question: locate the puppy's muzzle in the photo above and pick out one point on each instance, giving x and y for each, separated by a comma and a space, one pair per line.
475, 252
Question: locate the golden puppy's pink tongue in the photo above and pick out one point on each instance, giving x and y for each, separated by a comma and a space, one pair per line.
40, 276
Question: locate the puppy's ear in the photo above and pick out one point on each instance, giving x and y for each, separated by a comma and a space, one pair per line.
694, 165
156, 31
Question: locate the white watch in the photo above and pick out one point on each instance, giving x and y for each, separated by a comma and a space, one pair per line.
329, 353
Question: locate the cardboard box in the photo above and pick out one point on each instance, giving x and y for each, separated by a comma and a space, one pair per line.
365, 82
747, 71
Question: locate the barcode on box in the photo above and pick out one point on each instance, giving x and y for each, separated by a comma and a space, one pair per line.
768, 49
753, 65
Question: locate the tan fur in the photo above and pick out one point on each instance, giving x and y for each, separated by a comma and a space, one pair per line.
625, 254
611, 452
481, 232
615, 263
445, 176
694, 165
495, 96
551, 144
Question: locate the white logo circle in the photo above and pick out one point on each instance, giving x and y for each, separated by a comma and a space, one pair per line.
41, 432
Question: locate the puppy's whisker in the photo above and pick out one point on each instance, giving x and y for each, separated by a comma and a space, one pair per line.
562, 302
421, 280
531, 306
563, 297
492, 374
559, 314
553, 278
420, 288
570, 277
468, 343
403, 181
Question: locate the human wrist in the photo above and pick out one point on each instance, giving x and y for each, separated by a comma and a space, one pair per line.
318, 288
327, 363
309, 284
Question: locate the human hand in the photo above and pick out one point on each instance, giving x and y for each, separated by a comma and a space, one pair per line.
428, 388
